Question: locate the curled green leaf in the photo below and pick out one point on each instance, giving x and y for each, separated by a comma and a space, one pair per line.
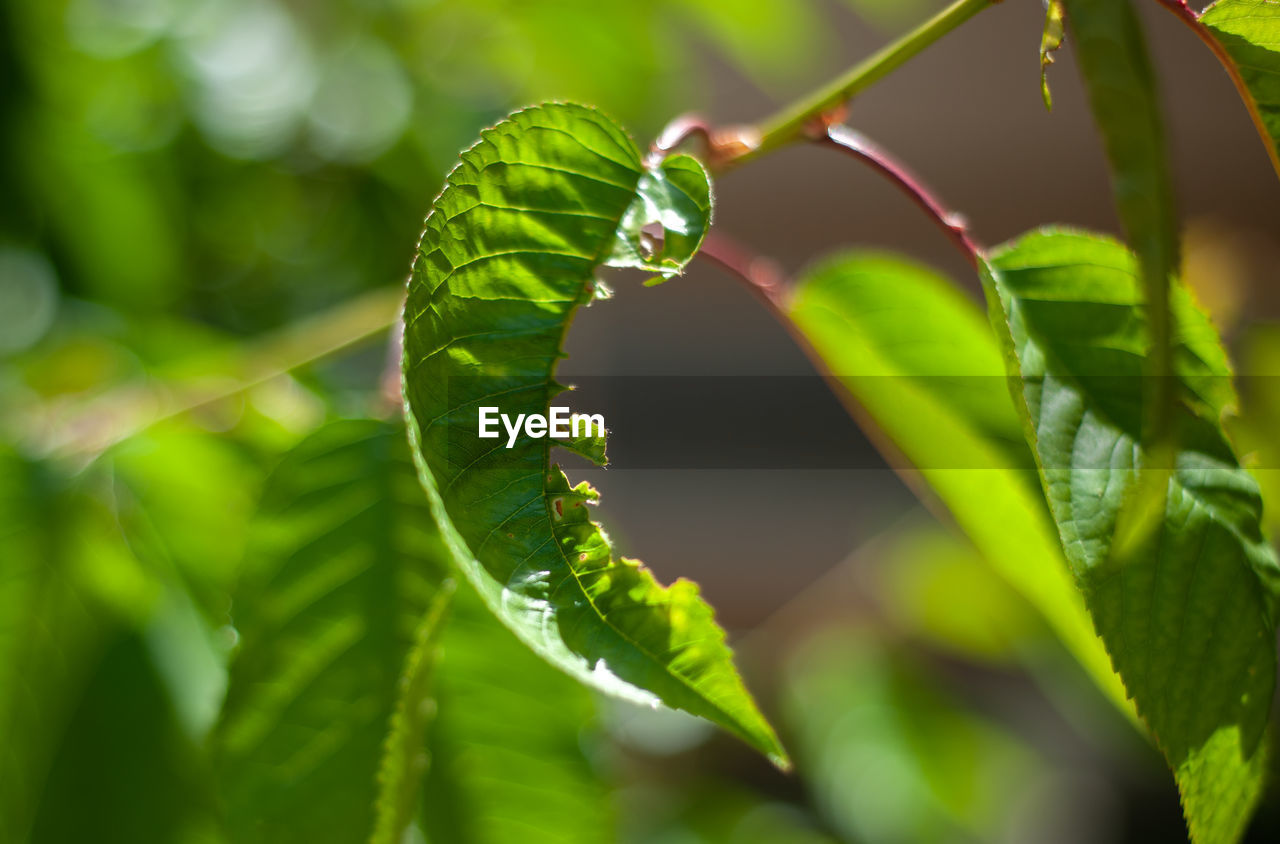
508, 255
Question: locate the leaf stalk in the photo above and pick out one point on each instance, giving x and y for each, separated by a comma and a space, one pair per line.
952, 224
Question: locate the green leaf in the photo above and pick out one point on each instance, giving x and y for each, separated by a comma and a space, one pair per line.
1249, 32
1122, 93
343, 571
921, 361
1188, 615
507, 745
509, 253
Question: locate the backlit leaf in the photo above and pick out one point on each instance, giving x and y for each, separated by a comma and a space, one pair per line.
921, 361
509, 253
1188, 614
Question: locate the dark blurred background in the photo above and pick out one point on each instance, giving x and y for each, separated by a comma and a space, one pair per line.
183, 177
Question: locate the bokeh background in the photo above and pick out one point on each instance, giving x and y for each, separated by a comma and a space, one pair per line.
199, 194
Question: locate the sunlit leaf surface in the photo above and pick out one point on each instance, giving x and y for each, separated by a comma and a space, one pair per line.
509, 253
1188, 616
920, 360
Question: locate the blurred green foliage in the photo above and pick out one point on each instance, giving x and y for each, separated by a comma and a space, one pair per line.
241, 161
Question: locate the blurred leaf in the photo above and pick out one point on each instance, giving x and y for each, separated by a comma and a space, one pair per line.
892, 758
1249, 31
507, 744
509, 253
937, 587
342, 569
1255, 429
1122, 93
185, 499
126, 771
714, 811
768, 40
82, 180
1188, 616
64, 573
921, 361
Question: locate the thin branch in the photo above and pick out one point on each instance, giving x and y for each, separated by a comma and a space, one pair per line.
719, 146
1180, 8
953, 225
790, 124
762, 276
684, 128
765, 280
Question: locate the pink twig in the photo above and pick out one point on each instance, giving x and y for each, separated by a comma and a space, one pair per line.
684, 128
845, 140
1181, 9
762, 275
719, 147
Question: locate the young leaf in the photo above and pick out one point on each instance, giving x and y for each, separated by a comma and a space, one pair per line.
920, 360
1188, 616
507, 745
343, 571
1050, 43
1249, 32
509, 253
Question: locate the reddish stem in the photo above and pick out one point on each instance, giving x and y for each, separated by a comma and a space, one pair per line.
720, 147
953, 225
763, 277
766, 281
678, 131
1180, 8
